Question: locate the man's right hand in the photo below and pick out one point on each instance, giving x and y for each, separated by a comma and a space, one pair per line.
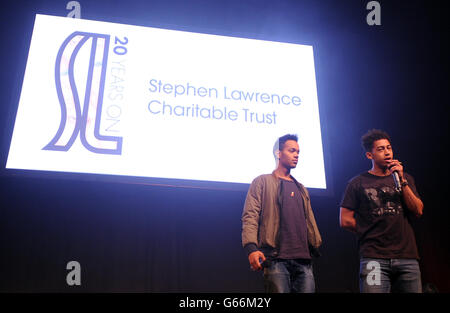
256, 258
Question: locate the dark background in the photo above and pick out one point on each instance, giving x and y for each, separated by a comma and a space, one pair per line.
149, 238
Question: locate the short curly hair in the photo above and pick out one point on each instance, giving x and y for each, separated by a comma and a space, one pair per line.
371, 136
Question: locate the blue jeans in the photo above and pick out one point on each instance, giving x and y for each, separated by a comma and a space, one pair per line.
285, 276
386, 275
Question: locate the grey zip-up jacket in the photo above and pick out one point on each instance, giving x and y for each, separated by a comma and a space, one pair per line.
261, 217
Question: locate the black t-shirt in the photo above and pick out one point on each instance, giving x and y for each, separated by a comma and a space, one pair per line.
382, 218
292, 236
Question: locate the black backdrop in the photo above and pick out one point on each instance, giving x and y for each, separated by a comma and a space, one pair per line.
148, 238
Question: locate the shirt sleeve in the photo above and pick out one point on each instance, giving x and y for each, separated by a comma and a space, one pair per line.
412, 184
250, 216
350, 199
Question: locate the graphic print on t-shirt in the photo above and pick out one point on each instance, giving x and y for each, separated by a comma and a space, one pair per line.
383, 201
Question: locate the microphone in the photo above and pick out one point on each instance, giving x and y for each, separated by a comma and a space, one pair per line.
398, 184
267, 263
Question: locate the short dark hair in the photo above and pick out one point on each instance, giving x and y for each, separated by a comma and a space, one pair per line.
371, 136
279, 144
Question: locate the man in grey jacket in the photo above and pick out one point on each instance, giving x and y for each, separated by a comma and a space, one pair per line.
279, 231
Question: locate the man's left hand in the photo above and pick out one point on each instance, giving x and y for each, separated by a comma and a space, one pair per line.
396, 165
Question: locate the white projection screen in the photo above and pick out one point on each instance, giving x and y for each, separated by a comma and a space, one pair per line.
115, 99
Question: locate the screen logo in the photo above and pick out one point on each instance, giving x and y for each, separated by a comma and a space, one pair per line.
75, 118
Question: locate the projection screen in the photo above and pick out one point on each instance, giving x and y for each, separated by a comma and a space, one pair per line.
115, 99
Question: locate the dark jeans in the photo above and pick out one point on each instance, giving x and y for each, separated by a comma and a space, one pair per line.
386, 275
285, 276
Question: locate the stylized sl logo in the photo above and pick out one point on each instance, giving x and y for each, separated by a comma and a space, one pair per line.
73, 119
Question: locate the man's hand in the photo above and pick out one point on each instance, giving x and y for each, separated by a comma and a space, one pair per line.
255, 259
396, 165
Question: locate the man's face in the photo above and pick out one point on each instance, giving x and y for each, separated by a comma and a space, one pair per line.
381, 153
289, 155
